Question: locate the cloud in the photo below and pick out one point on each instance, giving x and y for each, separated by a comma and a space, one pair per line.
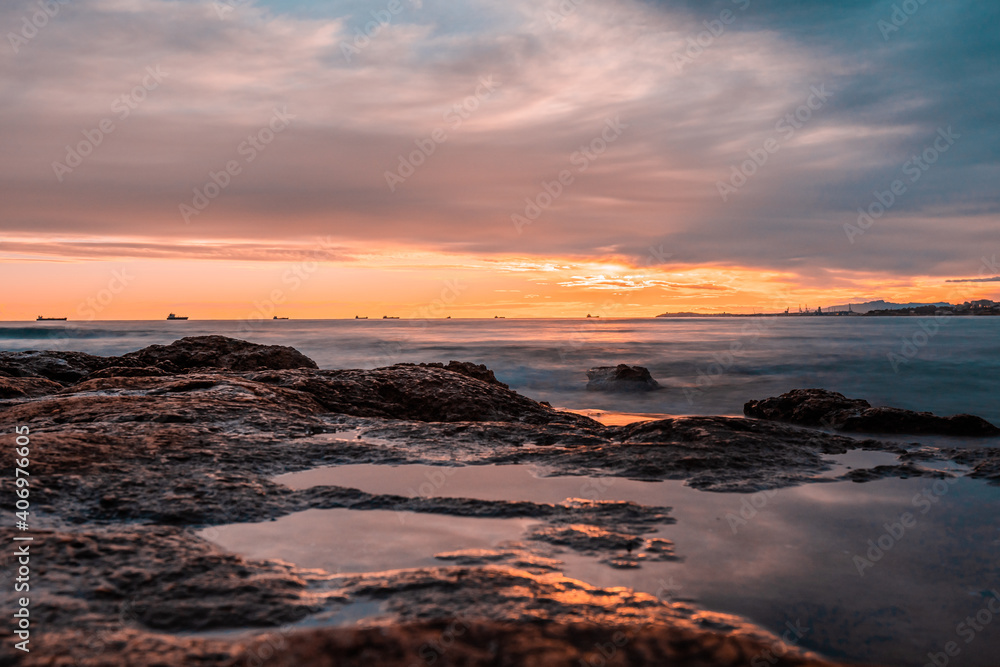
654, 185
977, 280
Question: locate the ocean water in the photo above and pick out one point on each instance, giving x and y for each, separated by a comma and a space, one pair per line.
706, 365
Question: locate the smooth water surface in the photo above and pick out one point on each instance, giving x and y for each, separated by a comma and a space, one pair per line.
792, 555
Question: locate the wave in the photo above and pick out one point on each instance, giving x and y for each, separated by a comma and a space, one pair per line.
43, 333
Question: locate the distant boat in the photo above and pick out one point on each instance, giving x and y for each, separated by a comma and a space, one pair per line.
358, 317
50, 319
386, 317
279, 318
592, 317
499, 317
171, 316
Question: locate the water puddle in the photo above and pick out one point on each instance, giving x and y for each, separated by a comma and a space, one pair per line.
341, 540
616, 418
612, 418
485, 482
858, 459
881, 572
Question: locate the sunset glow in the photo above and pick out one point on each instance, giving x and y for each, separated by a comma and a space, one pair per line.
523, 161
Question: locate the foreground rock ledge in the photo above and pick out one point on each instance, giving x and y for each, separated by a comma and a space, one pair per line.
136, 452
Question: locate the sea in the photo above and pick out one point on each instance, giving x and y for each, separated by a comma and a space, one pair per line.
791, 560
705, 365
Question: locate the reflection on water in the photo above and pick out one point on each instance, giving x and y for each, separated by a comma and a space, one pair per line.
882, 572
340, 540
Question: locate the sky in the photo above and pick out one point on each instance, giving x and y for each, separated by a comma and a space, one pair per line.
432, 158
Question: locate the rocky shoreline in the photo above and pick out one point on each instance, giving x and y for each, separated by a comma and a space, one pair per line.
133, 454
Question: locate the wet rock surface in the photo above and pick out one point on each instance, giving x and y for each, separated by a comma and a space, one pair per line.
621, 379
132, 457
219, 352
828, 409
477, 371
61, 367
29, 387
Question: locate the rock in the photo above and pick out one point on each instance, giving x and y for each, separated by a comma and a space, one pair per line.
477, 371
462, 641
405, 391
808, 407
16, 387
183, 355
61, 367
127, 372
145, 449
820, 407
220, 352
621, 378
895, 420
585, 538
903, 471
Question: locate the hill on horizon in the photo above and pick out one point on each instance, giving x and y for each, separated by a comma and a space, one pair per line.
879, 305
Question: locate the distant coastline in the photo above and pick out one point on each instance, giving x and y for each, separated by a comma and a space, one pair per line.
982, 308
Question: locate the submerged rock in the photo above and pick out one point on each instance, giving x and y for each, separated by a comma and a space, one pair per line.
620, 378
821, 407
